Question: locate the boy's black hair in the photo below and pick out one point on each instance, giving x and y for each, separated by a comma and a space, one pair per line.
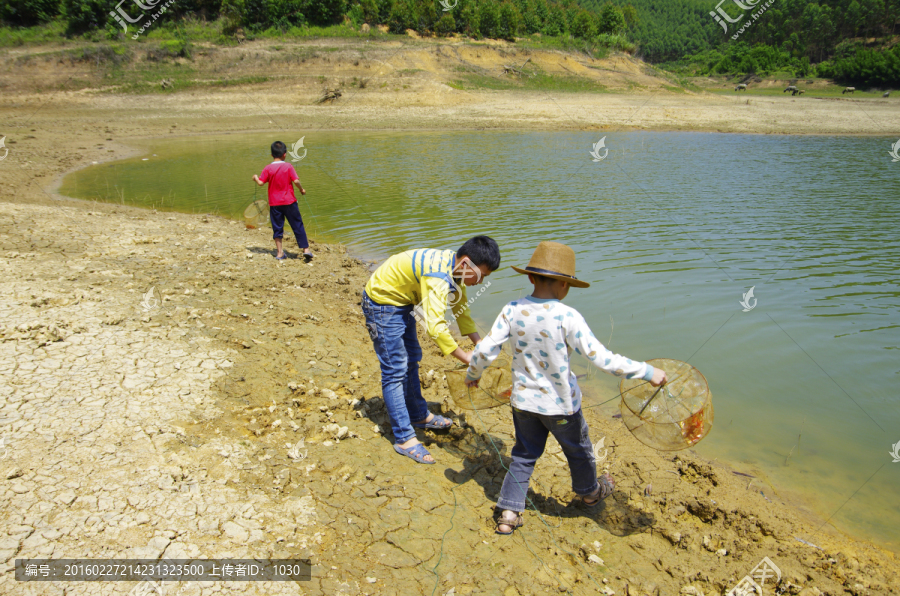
278, 149
481, 250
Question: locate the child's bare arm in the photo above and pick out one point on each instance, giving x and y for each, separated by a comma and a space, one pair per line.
257, 180
299, 186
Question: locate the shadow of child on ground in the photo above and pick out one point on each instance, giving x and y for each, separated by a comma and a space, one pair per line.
484, 465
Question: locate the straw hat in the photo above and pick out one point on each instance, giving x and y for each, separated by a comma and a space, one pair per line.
553, 260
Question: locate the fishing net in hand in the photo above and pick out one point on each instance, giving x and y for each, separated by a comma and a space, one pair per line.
256, 215
494, 389
672, 417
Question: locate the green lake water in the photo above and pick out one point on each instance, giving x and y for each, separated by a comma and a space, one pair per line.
671, 229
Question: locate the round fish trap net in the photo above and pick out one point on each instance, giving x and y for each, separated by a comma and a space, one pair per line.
256, 214
494, 389
672, 417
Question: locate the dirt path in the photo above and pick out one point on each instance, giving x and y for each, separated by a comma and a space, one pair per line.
235, 409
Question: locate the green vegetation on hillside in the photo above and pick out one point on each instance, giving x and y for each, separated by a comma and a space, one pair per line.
851, 41
506, 19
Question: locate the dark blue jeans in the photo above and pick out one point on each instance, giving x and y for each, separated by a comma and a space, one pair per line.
277, 215
531, 437
393, 332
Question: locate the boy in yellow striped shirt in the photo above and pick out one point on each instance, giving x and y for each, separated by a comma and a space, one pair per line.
423, 281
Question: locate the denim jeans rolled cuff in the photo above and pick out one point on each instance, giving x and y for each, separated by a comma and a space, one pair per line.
532, 430
393, 333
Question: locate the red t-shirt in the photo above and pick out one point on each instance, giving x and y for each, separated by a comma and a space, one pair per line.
280, 175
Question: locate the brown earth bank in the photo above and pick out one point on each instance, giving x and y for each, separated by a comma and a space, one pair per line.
170, 390
402, 84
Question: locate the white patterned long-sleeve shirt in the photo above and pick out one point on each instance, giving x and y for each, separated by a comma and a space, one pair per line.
543, 334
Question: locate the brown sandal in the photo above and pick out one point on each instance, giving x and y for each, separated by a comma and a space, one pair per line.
607, 484
514, 521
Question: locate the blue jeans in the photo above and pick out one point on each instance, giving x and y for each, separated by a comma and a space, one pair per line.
393, 332
531, 437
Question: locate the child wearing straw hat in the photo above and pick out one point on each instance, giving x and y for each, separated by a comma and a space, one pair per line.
546, 397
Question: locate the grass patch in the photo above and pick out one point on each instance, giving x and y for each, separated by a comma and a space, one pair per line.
54, 31
538, 81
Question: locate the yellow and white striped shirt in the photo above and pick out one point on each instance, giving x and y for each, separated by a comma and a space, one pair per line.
424, 276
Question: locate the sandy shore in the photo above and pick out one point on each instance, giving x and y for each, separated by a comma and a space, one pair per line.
235, 410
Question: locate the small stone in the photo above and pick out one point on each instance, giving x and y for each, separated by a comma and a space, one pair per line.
237, 533
371, 580
19, 488
329, 394
66, 497
595, 559
721, 552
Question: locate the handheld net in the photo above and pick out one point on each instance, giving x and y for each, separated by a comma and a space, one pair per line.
675, 416
494, 389
256, 214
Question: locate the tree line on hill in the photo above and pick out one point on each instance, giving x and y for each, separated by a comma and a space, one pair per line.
506, 19
851, 41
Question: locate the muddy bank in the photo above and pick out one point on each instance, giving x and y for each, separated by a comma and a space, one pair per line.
235, 410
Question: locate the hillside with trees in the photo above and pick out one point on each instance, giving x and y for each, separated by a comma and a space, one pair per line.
851, 41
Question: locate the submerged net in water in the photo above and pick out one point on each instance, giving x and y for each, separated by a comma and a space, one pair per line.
256, 214
494, 389
672, 417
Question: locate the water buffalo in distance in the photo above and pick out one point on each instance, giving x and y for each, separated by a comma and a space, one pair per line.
886, 94
797, 92
741, 87
791, 88
848, 90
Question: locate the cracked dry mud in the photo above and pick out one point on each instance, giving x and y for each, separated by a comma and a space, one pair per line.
235, 411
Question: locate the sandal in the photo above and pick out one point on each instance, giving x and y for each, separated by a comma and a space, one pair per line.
308, 256
437, 423
281, 258
607, 484
513, 521
416, 452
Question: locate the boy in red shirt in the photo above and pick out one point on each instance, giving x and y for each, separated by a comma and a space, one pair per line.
282, 177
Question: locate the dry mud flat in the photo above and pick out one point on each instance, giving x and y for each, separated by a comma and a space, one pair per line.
235, 411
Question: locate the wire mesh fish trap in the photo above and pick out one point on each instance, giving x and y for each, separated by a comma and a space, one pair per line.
256, 215
494, 389
675, 416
